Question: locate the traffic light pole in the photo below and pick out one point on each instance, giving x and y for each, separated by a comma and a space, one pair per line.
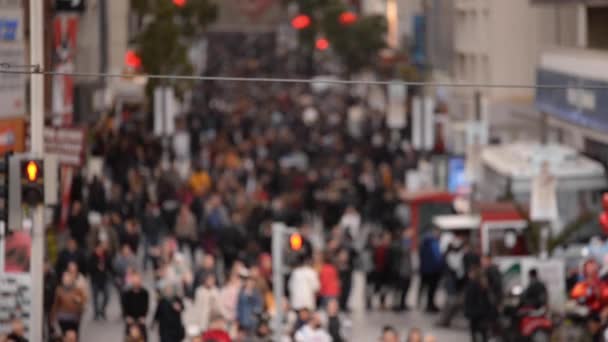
278, 287
37, 147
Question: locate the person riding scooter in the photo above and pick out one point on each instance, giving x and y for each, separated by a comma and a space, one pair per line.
526, 313
590, 298
535, 295
591, 291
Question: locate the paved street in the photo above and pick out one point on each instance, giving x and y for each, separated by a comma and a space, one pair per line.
366, 326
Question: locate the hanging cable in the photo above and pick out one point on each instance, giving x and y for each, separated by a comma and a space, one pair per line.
6, 68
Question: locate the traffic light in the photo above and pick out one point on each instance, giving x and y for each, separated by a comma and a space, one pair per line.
347, 18
32, 181
322, 44
4, 186
295, 242
301, 22
132, 60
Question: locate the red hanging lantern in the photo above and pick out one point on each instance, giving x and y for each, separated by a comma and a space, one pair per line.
604, 221
348, 18
322, 44
605, 201
179, 3
301, 22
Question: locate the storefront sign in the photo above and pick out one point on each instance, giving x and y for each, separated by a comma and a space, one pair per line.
68, 144
12, 135
586, 107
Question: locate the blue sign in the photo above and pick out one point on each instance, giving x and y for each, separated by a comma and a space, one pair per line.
582, 106
8, 29
457, 180
419, 46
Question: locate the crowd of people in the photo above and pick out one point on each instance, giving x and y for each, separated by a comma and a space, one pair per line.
192, 215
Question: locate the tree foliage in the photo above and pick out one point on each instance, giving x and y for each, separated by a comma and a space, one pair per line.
356, 44
167, 33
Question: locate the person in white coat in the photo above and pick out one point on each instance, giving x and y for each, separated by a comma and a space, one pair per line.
303, 287
206, 302
313, 331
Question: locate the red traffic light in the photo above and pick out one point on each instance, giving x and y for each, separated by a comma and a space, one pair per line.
348, 18
132, 59
295, 242
301, 22
322, 44
179, 3
32, 171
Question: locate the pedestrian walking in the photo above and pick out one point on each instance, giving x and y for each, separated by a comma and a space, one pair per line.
401, 268
68, 305
477, 305
100, 273
431, 268
168, 316
135, 305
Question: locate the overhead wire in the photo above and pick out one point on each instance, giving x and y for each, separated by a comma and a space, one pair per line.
6, 68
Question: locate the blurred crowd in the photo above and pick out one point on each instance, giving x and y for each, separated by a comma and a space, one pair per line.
194, 213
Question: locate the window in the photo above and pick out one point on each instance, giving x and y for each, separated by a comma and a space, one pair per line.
597, 30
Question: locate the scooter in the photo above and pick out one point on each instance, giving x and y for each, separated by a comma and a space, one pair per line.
522, 323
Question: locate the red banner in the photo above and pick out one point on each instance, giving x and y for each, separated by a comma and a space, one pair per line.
65, 33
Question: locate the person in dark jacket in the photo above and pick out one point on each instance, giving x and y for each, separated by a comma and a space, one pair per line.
345, 267
97, 196
71, 253
431, 267
50, 285
100, 271
477, 305
78, 223
401, 267
535, 295
169, 317
135, 303
153, 226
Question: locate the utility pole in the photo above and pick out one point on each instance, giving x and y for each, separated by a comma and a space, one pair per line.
37, 147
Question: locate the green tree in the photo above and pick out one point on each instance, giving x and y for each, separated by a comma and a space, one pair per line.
356, 45
167, 33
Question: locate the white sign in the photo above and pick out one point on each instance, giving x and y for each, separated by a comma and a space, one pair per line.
12, 86
423, 123
166, 108
396, 116
15, 300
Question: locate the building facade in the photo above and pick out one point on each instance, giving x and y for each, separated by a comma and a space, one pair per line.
576, 115
500, 42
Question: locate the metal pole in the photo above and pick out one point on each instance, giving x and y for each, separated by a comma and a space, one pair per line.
37, 143
278, 231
